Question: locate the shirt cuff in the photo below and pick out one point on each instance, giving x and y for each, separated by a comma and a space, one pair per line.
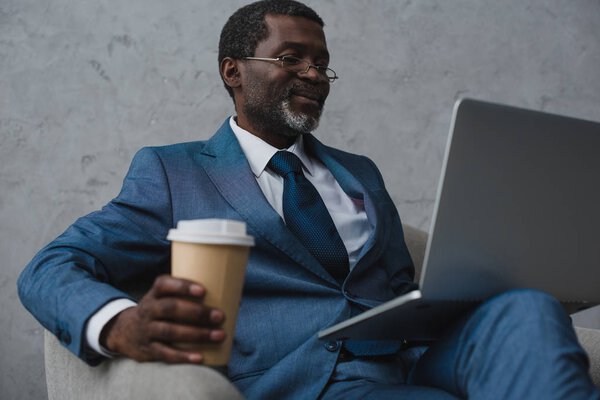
99, 320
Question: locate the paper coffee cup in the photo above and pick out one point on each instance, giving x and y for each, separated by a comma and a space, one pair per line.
214, 253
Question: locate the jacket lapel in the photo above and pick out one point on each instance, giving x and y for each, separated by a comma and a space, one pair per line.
357, 186
227, 167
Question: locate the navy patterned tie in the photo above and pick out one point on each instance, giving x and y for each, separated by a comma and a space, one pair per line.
307, 217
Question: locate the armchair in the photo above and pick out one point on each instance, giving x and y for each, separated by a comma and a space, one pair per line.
67, 377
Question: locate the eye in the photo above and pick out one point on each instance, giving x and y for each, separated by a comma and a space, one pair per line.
291, 60
322, 62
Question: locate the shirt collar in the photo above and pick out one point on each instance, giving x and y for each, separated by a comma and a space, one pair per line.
259, 153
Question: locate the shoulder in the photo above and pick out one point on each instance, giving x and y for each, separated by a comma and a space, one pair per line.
359, 164
168, 154
346, 156
184, 152
173, 150
315, 147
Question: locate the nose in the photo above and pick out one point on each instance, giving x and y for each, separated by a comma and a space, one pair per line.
313, 74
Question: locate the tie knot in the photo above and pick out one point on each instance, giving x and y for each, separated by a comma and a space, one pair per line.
284, 162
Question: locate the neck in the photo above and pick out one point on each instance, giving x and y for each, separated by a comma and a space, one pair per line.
279, 140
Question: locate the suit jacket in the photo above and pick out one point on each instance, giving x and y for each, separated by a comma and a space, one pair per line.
288, 296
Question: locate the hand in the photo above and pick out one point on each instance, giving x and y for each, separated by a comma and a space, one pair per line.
172, 311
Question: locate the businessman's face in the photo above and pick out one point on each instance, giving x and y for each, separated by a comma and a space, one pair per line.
278, 104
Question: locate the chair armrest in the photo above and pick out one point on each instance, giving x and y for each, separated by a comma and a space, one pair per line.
590, 341
416, 241
68, 377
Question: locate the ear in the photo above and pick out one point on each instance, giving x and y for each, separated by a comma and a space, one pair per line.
230, 72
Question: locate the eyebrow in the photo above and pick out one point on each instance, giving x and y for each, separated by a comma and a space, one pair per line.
301, 47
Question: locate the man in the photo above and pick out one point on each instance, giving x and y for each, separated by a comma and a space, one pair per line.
274, 62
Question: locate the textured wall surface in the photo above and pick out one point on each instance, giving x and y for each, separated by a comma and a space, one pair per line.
83, 85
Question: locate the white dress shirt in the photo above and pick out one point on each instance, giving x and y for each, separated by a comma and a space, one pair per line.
348, 214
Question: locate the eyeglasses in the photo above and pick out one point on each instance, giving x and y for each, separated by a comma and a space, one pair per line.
299, 66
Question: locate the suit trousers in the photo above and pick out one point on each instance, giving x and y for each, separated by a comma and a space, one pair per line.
517, 345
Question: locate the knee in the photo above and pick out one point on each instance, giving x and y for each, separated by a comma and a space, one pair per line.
528, 303
525, 298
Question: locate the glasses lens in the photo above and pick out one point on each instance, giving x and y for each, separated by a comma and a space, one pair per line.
331, 75
294, 64
301, 66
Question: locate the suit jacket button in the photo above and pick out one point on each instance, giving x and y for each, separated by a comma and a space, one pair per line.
332, 346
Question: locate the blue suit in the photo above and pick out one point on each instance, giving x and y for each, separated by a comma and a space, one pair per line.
517, 345
288, 296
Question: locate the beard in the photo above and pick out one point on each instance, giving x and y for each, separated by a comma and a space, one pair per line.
274, 113
299, 122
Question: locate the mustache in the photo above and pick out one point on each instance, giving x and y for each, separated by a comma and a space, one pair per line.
312, 92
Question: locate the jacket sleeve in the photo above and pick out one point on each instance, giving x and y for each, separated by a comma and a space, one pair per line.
95, 258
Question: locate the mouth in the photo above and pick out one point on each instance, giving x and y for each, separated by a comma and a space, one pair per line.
309, 97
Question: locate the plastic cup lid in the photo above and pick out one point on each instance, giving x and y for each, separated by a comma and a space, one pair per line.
211, 231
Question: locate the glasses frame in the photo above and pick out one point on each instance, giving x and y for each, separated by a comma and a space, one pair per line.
319, 68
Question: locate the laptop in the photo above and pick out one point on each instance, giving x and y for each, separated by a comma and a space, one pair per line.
518, 206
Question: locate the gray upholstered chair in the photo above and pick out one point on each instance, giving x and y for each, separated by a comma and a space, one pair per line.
68, 377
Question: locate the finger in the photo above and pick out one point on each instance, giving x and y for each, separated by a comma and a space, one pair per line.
186, 311
166, 285
163, 352
168, 332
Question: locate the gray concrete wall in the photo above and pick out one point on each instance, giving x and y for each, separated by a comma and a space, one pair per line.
84, 84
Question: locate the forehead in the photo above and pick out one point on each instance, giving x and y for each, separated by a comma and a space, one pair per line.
287, 32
